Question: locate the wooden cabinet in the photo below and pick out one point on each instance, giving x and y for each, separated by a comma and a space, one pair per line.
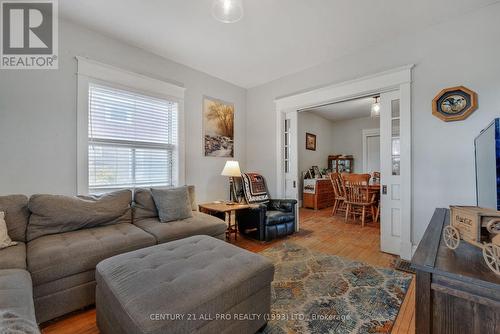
318, 194
341, 164
456, 291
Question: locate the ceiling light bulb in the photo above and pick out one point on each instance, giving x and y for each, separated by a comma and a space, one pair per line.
375, 112
227, 7
227, 11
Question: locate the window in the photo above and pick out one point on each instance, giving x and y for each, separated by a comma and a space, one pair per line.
132, 139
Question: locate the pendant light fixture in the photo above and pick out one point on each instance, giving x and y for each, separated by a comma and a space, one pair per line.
227, 11
375, 112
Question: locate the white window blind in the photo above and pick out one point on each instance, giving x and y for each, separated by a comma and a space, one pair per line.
132, 140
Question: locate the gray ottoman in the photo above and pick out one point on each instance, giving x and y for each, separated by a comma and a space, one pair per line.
198, 284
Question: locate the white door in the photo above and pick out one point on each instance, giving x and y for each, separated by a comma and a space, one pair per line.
373, 154
290, 155
371, 150
290, 158
390, 163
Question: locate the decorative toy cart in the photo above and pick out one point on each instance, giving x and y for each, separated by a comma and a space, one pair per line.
479, 227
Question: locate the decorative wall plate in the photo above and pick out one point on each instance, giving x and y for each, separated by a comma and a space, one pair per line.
454, 104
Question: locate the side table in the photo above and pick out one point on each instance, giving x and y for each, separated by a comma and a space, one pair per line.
227, 209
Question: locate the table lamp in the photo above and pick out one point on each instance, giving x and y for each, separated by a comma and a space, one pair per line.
232, 170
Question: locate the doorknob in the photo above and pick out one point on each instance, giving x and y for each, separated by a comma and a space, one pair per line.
384, 190
295, 184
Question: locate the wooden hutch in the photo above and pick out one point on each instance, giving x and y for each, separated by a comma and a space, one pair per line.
341, 163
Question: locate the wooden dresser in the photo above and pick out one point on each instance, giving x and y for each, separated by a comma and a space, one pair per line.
318, 194
456, 292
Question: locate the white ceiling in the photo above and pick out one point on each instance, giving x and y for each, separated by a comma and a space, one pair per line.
274, 39
344, 110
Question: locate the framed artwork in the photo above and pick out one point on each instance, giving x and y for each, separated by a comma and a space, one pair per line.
218, 128
310, 142
454, 104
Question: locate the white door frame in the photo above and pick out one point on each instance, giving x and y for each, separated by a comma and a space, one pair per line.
368, 133
395, 79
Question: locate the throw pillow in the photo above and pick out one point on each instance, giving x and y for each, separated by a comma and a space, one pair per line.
5, 240
172, 203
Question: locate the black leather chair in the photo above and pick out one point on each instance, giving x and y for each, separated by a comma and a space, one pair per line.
267, 221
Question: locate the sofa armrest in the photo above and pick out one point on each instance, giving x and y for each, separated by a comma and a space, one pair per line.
284, 205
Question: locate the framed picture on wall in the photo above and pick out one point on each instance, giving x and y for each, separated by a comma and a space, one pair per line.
454, 104
218, 128
310, 142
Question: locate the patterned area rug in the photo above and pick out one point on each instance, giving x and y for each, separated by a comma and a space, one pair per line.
320, 293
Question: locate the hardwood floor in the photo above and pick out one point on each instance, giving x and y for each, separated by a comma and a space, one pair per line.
319, 231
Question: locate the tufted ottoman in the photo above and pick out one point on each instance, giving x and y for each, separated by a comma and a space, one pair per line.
198, 284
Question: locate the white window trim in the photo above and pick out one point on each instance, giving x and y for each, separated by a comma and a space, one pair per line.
90, 71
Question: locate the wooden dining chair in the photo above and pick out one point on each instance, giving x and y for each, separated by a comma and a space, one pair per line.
359, 198
357, 178
339, 191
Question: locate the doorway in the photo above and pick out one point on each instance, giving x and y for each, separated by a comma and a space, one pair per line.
394, 88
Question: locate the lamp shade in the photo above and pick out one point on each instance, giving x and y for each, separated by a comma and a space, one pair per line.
232, 168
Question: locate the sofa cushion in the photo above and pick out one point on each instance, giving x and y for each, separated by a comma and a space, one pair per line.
16, 302
52, 214
13, 257
172, 203
199, 224
278, 217
145, 207
198, 275
16, 215
63, 284
60, 255
144, 204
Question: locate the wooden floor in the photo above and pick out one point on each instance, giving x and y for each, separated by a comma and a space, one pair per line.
319, 231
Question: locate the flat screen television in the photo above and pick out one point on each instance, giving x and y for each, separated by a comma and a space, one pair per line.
487, 152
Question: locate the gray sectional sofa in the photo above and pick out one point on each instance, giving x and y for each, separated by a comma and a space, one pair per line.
62, 239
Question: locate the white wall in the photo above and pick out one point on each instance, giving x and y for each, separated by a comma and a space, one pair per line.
322, 128
332, 137
38, 116
347, 138
462, 51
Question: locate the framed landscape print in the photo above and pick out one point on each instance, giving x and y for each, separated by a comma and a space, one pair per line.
218, 128
310, 142
454, 104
